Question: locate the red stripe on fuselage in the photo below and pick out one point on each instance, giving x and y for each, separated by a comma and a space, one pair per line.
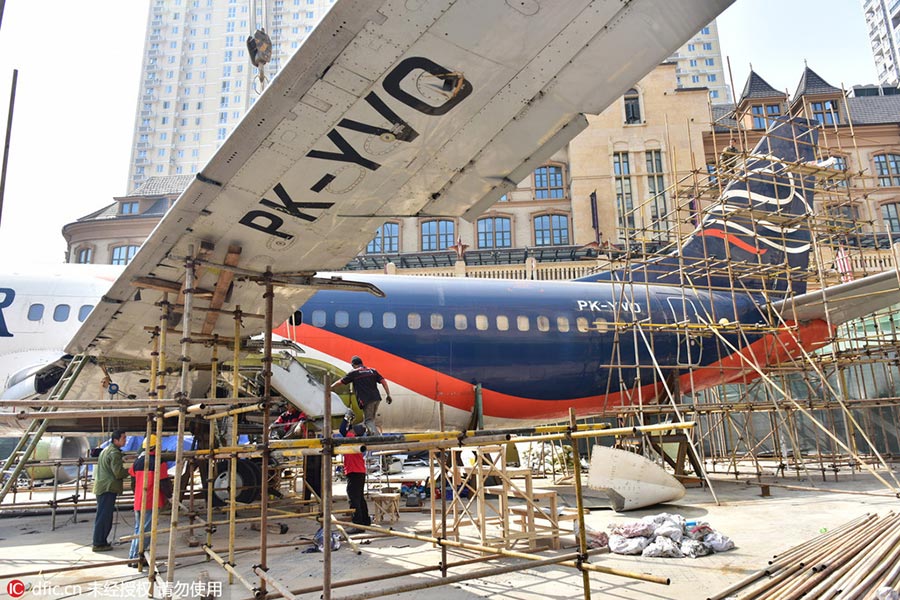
460, 394
770, 350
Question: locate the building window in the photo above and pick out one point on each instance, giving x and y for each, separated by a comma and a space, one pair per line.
386, 240
129, 208
624, 199
437, 235
551, 230
710, 62
840, 164
764, 115
656, 187
707, 46
122, 255
705, 31
549, 183
891, 215
692, 62
695, 79
826, 112
632, 107
494, 232
887, 168
84, 256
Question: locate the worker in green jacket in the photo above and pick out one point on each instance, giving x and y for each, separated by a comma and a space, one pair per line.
108, 476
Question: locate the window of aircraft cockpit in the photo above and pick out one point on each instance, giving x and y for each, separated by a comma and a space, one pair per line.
61, 313
35, 312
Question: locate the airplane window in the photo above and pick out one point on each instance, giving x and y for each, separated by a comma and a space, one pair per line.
543, 323
389, 320
61, 313
601, 325
481, 322
35, 312
341, 318
366, 319
318, 318
502, 322
562, 323
582, 324
84, 311
437, 321
522, 323
461, 322
413, 320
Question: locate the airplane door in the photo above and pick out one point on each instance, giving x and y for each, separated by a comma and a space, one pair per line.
690, 345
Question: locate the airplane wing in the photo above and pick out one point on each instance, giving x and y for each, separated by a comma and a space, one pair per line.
389, 108
844, 302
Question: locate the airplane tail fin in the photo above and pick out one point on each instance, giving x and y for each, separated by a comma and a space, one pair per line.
756, 236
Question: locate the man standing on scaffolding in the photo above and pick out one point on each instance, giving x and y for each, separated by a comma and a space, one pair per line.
728, 161
365, 383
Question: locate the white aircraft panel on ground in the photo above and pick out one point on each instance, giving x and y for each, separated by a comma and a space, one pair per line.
388, 109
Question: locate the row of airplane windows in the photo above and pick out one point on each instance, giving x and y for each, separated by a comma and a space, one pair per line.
61, 312
460, 322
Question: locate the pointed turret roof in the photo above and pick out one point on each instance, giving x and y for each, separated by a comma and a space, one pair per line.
757, 87
812, 83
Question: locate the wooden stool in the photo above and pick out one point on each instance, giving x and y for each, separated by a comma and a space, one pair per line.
387, 507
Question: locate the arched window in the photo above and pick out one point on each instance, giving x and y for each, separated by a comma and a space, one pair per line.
122, 255
386, 241
891, 215
549, 183
437, 235
494, 232
632, 107
887, 168
551, 230
84, 256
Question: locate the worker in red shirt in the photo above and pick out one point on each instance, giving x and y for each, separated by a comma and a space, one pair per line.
355, 470
145, 477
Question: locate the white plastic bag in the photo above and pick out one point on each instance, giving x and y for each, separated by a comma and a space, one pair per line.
718, 542
694, 548
663, 547
627, 545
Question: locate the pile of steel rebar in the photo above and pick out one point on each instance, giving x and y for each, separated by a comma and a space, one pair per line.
854, 560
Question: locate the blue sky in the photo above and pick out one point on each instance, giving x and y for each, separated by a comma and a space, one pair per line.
70, 150
777, 35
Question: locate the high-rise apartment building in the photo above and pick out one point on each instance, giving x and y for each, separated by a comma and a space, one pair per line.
883, 27
700, 64
198, 81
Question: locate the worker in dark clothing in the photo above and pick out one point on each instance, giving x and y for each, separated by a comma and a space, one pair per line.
355, 470
728, 161
108, 476
365, 380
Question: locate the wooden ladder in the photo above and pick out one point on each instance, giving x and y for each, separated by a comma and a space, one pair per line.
15, 463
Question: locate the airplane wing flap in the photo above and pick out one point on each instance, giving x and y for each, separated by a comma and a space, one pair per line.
843, 302
382, 106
